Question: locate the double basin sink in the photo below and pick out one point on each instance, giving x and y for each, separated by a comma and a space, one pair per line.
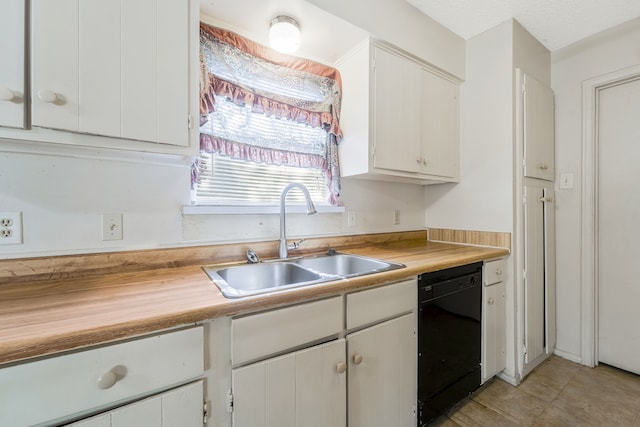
271, 276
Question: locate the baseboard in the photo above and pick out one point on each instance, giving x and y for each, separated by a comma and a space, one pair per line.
569, 356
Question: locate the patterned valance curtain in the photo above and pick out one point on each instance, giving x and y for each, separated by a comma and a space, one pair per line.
263, 106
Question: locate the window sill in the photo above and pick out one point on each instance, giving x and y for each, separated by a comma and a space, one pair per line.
254, 210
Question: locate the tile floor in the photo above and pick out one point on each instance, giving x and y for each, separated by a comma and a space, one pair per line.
556, 393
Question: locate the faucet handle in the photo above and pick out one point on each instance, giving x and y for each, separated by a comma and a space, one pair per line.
295, 245
252, 257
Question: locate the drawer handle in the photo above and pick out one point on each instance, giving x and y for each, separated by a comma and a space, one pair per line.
341, 367
107, 380
110, 378
357, 359
543, 166
491, 301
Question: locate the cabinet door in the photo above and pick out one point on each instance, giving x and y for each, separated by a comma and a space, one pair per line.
396, 118
382, 374
538, 130
493, 330
54, 64
180, 407
118, 69
440, 134
534, 285
305, 388
12, 72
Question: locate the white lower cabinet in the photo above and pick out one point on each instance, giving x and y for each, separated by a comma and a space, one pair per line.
303, 388
181, 407
494, 316
362, 374
63, 388
383, 375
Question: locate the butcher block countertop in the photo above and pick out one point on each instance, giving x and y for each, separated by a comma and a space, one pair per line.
59, 308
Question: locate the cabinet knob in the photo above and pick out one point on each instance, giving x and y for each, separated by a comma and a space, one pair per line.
47, 96
357, 359
425, 161
546, 200
6, 94
498, 272
490, 301
341, 367
418, 160
107, 380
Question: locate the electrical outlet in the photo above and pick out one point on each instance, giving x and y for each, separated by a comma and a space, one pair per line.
112, 226
396, 217
10, 228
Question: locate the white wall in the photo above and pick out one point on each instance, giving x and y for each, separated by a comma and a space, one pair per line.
603, 53
483, 198
401, 24
62, 197
372, 202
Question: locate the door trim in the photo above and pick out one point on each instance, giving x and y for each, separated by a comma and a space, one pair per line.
589, 251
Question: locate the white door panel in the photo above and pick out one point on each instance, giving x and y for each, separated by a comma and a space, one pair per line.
538, 130
12, 72
618, 219
299, 389
534, 297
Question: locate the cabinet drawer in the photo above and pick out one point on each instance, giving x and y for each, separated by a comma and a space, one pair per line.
261, 335
385, 302
82, 382
494, 272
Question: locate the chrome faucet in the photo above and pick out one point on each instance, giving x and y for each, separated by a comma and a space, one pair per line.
283, 247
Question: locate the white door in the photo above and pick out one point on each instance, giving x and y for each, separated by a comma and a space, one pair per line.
494, 330
440, 127
397, 98
618, 221
302, 389
383, 374
538, 130
180, 407
534, 315
12, 48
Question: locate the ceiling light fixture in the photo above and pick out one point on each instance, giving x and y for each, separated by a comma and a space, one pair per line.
284, 34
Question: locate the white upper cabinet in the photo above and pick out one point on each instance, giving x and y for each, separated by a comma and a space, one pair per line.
396, 112
440, 127
110, 68
538, 130
12, 71
400, 117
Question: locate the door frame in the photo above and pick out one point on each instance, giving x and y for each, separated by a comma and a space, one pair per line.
589, 251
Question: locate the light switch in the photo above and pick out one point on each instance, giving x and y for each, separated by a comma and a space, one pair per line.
566, 181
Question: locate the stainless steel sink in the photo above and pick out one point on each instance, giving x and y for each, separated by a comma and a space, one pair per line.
252, 279
345, 265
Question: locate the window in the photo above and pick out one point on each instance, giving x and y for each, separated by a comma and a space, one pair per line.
267, 119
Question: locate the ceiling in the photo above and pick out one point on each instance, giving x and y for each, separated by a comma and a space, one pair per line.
555, 23
325, 37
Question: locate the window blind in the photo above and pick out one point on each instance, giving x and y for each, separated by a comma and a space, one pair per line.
223, 180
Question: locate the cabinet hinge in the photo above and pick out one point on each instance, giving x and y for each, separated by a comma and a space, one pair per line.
229, 401
205, 412
189, 122
524, 350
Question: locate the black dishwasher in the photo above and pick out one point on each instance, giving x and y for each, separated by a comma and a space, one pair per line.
449, 329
